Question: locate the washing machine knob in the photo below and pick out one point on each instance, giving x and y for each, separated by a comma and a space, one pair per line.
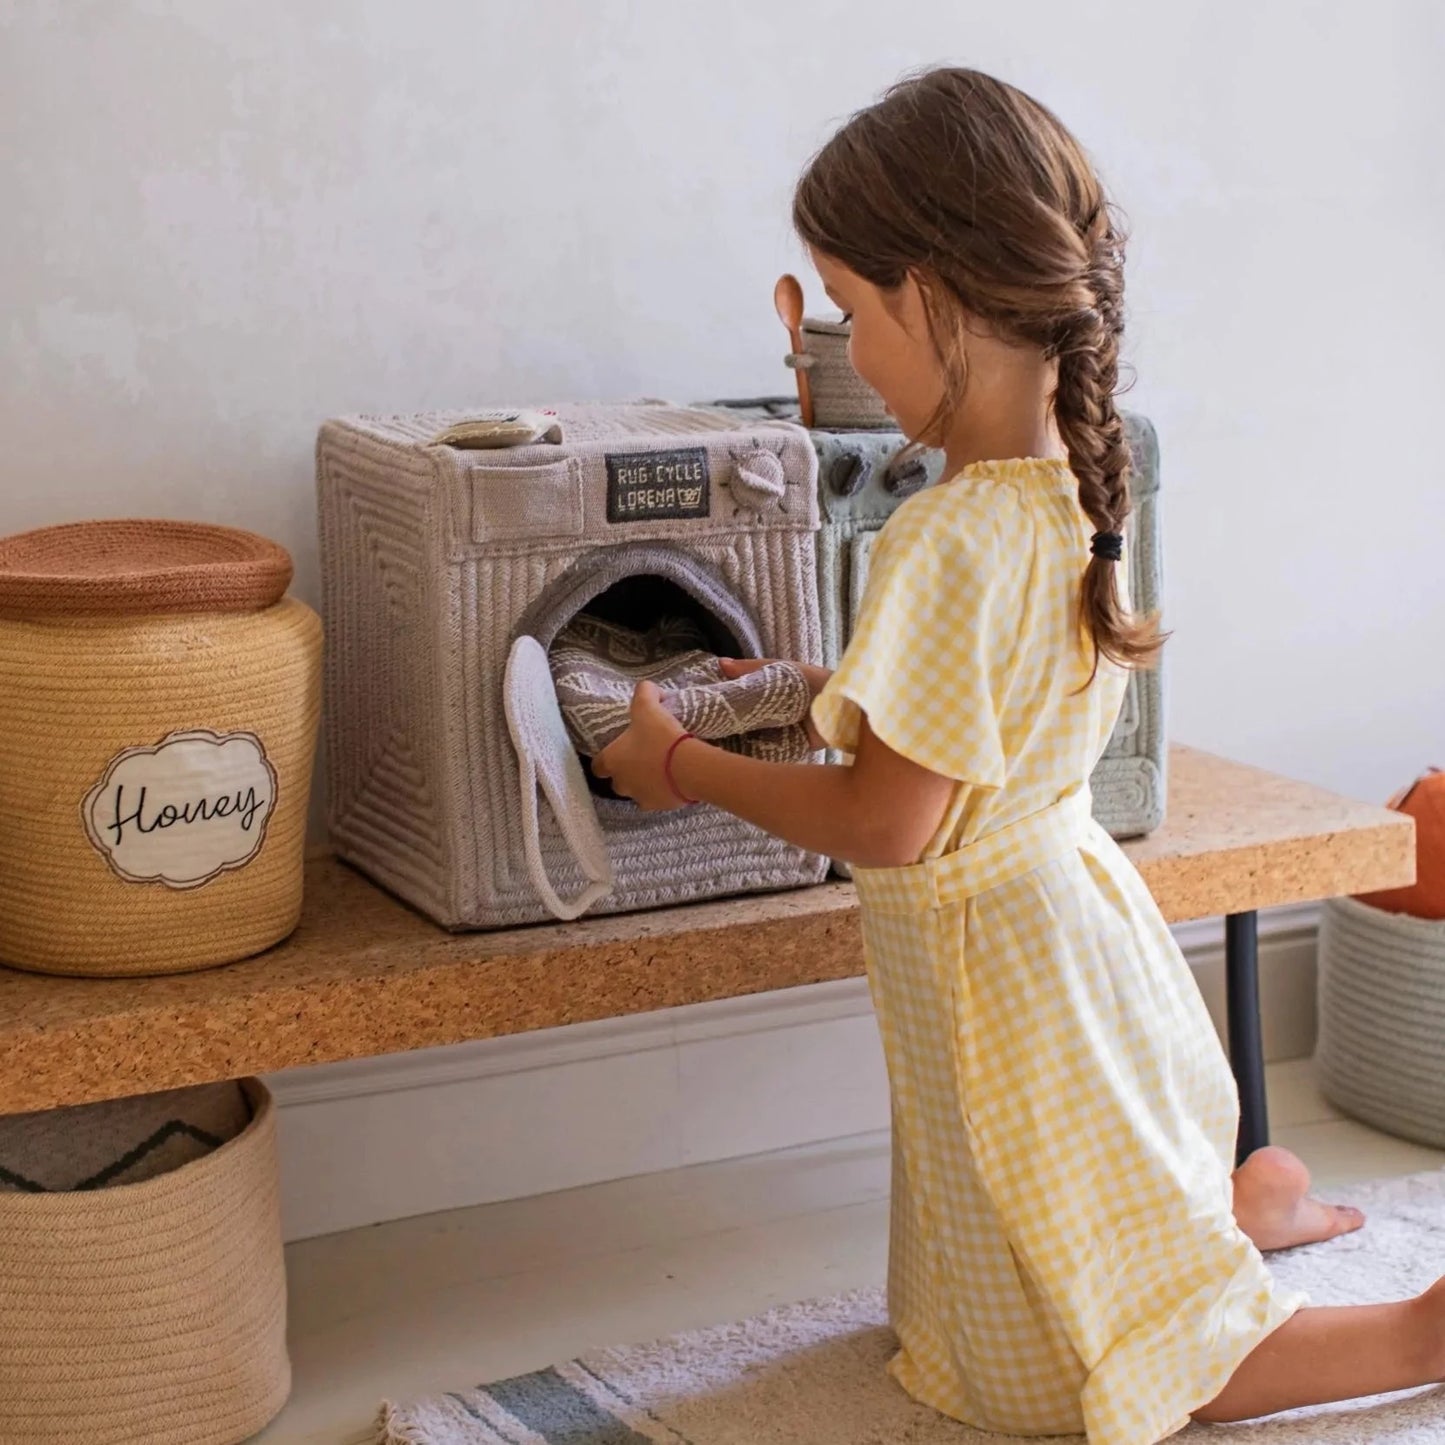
847, 474
758, 478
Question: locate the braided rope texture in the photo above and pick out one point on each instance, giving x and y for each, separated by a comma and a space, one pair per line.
434, 560
1381, 1054
148, 1312
87, 680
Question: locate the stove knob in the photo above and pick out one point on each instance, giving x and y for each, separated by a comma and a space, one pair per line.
847, 474
903, 481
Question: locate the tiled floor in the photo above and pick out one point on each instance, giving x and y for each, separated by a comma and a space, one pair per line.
455, 1299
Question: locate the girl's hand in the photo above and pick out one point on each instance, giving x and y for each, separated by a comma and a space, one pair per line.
635, 762
734, 667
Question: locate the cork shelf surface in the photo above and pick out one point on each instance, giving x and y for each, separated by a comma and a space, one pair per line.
365, 975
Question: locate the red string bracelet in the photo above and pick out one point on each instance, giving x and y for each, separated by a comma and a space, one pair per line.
677, 792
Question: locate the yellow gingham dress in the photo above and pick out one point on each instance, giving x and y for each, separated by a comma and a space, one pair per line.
1063, 1255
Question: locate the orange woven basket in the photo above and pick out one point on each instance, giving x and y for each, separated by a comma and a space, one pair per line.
159, 701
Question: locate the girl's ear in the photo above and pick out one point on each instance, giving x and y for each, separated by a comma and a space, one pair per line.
924, 308
939, 312
907, 303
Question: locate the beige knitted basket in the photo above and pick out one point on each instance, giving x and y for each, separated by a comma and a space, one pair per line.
159, 702
1381, 1053
842, 400
152, 1312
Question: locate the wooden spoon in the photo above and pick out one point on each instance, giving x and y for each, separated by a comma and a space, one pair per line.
788, 302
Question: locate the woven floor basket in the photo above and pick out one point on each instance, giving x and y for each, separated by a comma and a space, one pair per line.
161, 656
151, 1314
1381, 1056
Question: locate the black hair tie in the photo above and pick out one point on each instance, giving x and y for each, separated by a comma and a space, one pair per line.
1108, 545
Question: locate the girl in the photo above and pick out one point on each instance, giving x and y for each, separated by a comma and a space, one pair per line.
1069, 1251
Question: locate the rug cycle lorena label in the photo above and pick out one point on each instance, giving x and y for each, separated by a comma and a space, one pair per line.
657, 486
184, 811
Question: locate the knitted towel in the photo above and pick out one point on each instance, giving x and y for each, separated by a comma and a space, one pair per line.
596, 666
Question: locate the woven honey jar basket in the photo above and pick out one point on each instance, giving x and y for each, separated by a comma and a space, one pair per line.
159, 702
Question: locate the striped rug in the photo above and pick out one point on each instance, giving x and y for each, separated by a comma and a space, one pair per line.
813, 1373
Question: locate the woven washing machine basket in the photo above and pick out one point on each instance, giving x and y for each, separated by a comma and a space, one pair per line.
150, 1312
449, 574
1381, 1055
159, 702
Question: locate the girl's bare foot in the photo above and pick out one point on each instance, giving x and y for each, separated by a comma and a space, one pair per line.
1273, 1207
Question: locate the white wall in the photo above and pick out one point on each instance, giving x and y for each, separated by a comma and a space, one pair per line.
223, 222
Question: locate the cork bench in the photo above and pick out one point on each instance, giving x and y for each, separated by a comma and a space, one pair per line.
364, 975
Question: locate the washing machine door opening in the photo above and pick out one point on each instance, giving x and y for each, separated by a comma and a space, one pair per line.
650, 604
651, 590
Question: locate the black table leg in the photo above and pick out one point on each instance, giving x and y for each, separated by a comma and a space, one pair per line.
1246, 1044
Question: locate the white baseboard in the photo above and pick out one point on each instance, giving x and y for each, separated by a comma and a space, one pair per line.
405, 1134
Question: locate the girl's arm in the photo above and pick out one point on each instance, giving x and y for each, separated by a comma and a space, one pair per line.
881, 812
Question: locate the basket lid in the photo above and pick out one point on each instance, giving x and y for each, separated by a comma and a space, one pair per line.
128, 566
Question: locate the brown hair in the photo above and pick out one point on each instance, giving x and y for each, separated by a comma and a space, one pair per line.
985, 198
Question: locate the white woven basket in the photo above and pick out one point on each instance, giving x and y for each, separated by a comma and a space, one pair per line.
1381, 1056
151, 1312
